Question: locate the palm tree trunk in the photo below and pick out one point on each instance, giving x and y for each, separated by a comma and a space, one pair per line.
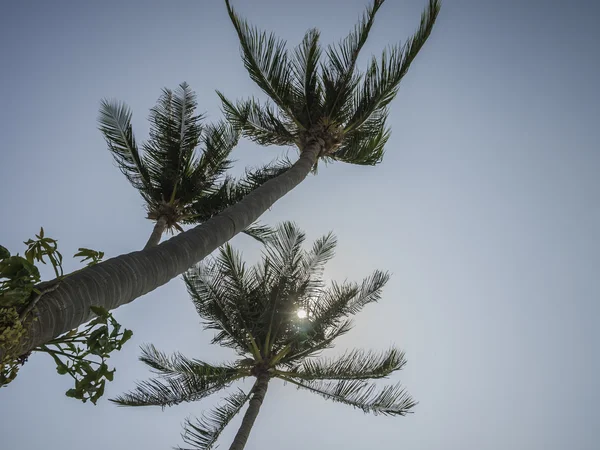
259, 391
120, 280
157, 232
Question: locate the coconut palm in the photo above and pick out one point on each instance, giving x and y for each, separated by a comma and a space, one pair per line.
278, 316
176, 184
324, 106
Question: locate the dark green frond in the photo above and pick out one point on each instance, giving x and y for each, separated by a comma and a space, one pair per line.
266, 60
382, 78
324, 339
322, 251
174, 134
203, 434
339, 301
307, 83
353, 365
284, 252
174, 390
219, 141
339, 74
391, 400
260, 123
259, 232
215, 298
313, 264
177, 365
256, 177
365, 145
115, 124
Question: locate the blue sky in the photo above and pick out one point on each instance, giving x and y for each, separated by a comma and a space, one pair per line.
485, 209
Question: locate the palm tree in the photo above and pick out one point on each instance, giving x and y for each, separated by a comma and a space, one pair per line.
327, 109
277, 316
175, 183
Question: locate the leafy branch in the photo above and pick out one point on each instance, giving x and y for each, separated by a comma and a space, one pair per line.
80, 354
77, 352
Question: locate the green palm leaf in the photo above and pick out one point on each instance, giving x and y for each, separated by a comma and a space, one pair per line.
391, 400
212, 297
115, 124
342, 300
174, 134
203, 434
307, 83
365, 145
382, 79
177, 365
339, 74
353, 365
174, 390
259, 122
266, 60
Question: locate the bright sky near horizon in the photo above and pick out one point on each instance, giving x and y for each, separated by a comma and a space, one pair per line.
486, 210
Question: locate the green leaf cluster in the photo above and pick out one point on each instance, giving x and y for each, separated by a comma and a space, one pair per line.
83, 354
80, 354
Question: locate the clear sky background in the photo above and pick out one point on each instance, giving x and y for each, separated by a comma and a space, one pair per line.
485, 209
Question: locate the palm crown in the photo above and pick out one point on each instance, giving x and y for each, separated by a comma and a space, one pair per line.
324, 100
278, 316
178, 185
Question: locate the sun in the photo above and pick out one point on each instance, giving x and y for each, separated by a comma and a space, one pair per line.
301, 314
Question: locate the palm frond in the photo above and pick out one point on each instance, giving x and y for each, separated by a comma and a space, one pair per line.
323, 340
382, 79
350, 298
261, 233
177, 365
340, 78
215, 302
341, 300
256, 177
115, 124
203, 434
353, 365
391, 400
175, 131
260, 123
365, 145
219, 141
312, 266
283, 251
322, 251
174, 390
306, 80
266, 60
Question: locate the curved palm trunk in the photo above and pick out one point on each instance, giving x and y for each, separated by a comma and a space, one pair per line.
259, 391
120, 280
157, 232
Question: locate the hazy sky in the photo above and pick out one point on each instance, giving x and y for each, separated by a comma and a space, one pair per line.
485, 209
